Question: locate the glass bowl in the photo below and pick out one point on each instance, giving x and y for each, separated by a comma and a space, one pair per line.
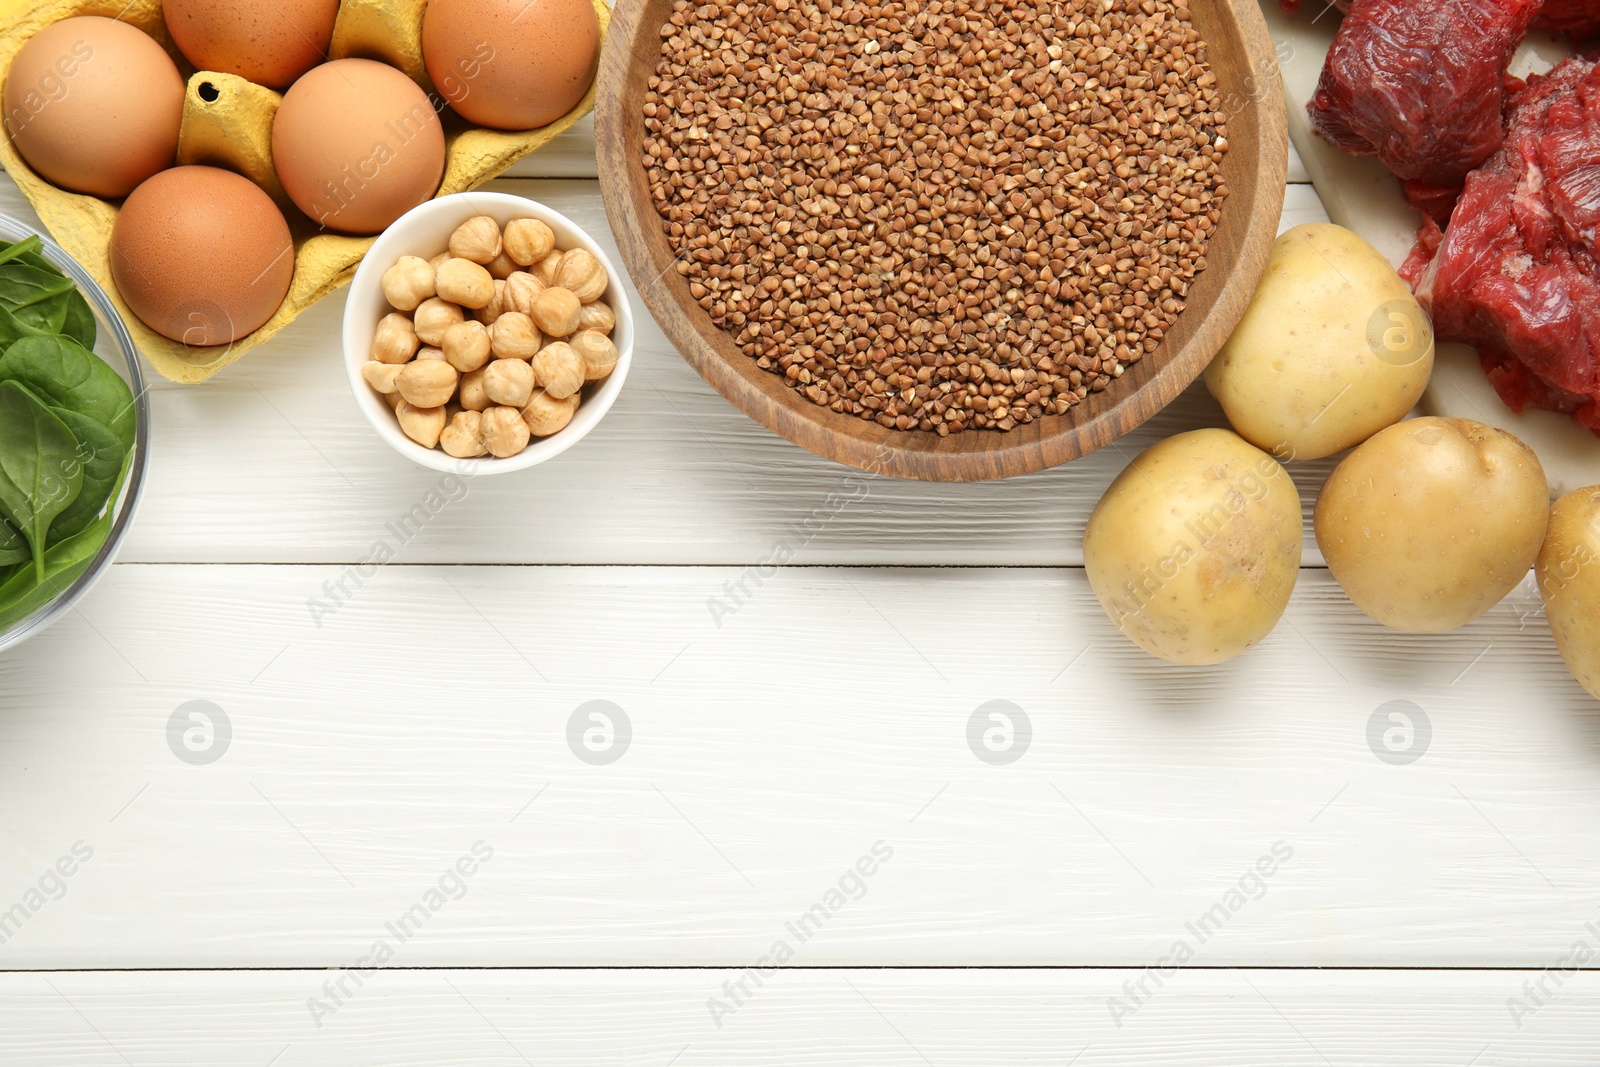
114, 345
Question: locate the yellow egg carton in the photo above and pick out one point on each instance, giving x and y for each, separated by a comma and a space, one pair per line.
227, 122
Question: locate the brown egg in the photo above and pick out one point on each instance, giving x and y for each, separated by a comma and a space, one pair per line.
201, 255
357, 144
270, 42
511, 64
94, 106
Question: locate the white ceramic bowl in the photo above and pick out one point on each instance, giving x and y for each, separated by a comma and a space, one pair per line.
424, 231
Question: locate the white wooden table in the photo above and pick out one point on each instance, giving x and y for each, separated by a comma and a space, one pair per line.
1027, 907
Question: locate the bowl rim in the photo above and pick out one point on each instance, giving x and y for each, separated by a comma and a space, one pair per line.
355, 337
1249, 227
14, 229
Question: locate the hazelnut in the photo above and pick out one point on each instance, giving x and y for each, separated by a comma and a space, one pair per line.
514, 336
522, 289
464, 282
501, 267
427, 383
408, 283
434, 317
560, 370
438, 261
394, 400
477, 240
508, 381
466, 345
472, 396
381, 375
599, 355
546, 268
527, 241
556, 311
491, 311
428, 352
463, 438
395, 340
422, 425
546, 415
597, 317
504, 432
581, 273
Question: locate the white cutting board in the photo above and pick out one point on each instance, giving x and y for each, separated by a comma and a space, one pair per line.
1361, 195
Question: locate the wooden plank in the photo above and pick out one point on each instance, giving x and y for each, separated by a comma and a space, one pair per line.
271, 462
571, 155
988, 1018
829, 711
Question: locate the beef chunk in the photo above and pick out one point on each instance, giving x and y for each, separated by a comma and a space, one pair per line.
1420, 84
1580, 18
1517, 273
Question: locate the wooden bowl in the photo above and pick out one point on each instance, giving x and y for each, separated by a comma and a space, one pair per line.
1242, 57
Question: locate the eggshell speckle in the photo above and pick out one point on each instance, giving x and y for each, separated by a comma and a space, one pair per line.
357, 144
201, 255
94, 106
270, 42
511, 64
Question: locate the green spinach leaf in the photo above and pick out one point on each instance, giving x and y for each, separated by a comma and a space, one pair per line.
23, 592
13, 546
101, 456
14, 329
64, 312
67, 375
40, 474
27, 247
79, 323
23, 285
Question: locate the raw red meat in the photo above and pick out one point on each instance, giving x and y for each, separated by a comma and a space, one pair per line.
1420, 84
1580, 18
1291, 6
1518, 271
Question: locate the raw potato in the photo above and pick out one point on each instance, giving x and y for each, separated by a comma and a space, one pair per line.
1569, 581
1195, 548
1332, 349
1430, 523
